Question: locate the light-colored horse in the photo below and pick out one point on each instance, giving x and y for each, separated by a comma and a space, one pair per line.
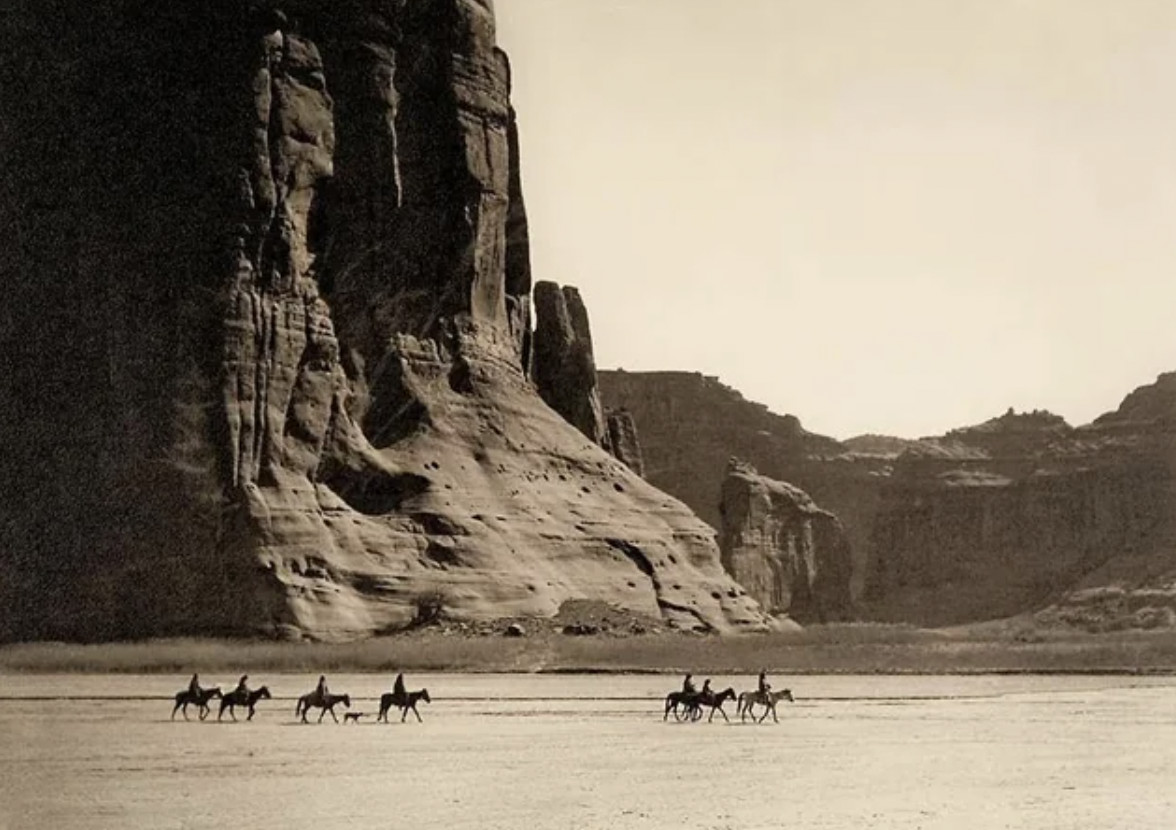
325, 702
766, 699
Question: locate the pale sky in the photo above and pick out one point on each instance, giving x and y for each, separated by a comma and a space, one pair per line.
895, 216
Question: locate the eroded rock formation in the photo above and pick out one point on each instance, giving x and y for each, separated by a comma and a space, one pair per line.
564, 362
791, 556
623, 441
268, 304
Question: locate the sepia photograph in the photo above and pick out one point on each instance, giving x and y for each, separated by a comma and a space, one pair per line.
619, 414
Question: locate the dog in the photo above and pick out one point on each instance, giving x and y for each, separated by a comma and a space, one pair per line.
353, 716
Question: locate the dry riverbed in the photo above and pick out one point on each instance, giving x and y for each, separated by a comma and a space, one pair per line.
563, 751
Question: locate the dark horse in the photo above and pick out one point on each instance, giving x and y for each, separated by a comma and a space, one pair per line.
242, 697
714, 700
326, 703
681, 704
184, 698
404, 702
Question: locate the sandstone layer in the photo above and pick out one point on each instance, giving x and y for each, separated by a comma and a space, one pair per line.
790, 555
268, 337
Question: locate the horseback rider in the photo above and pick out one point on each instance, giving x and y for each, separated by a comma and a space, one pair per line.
706, 689
194, 686
398, 691
242, 689
321, 690
688, 685
764, 686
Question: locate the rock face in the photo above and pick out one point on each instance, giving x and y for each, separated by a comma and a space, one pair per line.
1019, 514
1023, 511
791, 556
565, 363
267, 320
691, 424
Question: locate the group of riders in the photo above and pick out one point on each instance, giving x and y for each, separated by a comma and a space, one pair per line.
689, 690
321, 692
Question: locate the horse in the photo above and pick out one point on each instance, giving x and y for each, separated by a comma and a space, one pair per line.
766, 699
184, 697
687, 700
326, 703
405, 703
714, 700
242, 697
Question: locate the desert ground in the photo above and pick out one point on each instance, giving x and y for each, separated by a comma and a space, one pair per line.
568, 751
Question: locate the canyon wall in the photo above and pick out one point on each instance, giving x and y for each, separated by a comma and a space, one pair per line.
1023, 513
268, 335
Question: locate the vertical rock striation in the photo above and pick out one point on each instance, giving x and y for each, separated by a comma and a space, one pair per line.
268, 322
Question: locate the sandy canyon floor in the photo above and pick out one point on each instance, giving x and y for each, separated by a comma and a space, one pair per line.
549, 751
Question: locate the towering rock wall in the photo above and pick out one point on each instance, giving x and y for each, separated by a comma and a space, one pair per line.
268, 326
791, 556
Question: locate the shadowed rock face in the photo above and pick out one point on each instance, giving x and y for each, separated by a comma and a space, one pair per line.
565, 364
791, 556
269, 324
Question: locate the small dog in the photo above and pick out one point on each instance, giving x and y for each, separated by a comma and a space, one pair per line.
353, 716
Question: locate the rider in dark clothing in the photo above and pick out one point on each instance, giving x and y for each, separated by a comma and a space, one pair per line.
321, 690
688, 685
398, 691
764, 686
241, 687
194, 686
706, 689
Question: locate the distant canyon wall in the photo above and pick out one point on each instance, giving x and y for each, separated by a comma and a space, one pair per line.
1021, 514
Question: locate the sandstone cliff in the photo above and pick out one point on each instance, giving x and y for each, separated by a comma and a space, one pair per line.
691, 424
791, 556
1018, 514
268, 332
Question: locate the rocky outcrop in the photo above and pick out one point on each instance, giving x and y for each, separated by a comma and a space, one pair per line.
267, 317
691, 424
565, 364
1018, 514
791, 556
623, 441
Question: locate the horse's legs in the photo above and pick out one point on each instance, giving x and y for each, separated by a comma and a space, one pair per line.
415, 712
333, 716
250, 714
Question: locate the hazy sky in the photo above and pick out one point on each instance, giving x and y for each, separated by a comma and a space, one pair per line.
892, 216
